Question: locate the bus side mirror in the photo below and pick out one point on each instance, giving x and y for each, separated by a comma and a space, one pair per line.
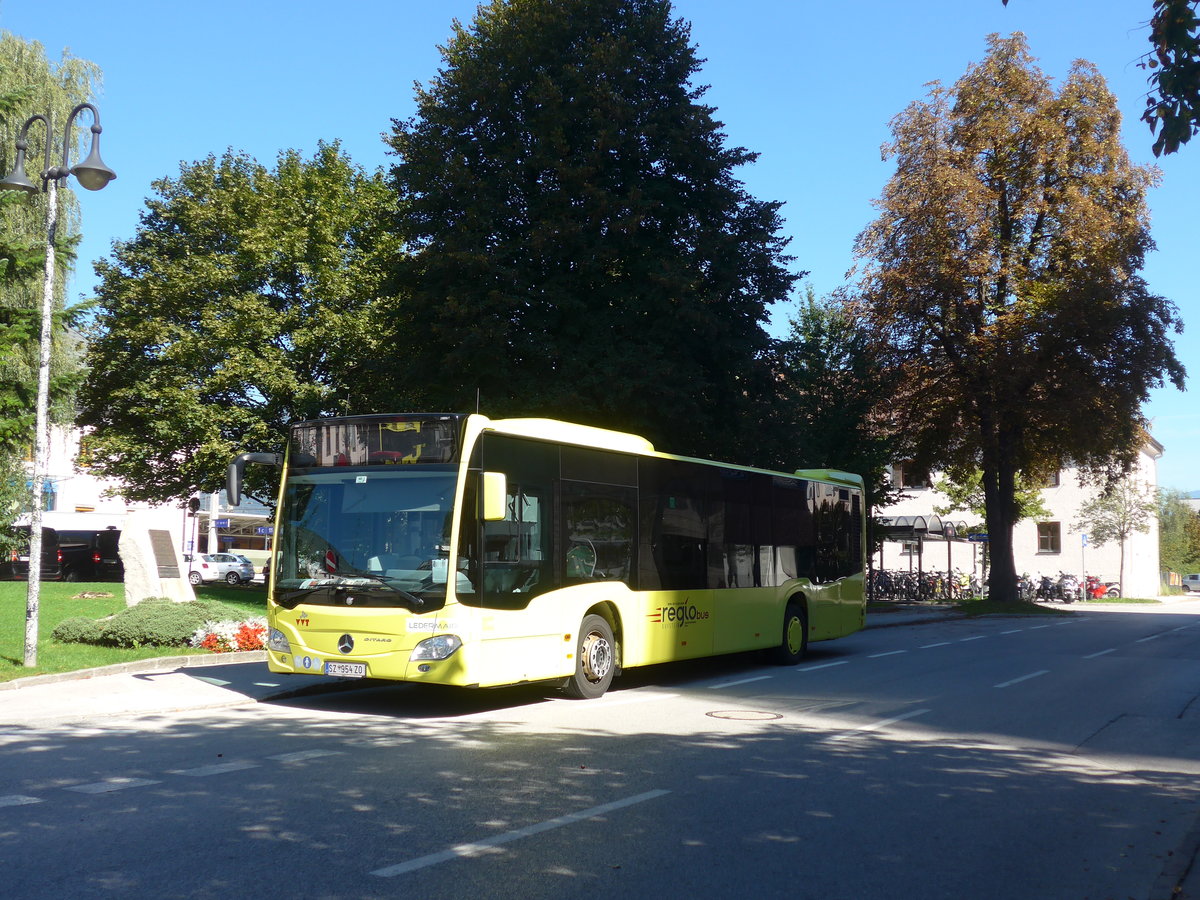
495, 496
237, 468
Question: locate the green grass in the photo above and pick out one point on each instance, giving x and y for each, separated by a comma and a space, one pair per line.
983, 607
59, 601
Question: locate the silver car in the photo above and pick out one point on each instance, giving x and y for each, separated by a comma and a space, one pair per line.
226, 567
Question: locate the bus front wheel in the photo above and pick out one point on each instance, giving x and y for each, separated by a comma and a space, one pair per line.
794, 643
595, 660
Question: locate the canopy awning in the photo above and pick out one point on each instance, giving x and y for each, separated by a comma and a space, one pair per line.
920, 528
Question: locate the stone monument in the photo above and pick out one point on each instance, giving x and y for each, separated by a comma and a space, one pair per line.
154, 566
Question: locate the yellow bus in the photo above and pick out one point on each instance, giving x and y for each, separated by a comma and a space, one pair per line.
461, 550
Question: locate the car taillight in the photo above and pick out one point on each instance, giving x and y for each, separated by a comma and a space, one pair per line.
60, 557
96, 557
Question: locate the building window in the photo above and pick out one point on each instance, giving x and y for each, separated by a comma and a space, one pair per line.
1054, 480
907, 475
1049, 537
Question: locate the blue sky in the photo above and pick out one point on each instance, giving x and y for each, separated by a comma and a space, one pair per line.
809, 84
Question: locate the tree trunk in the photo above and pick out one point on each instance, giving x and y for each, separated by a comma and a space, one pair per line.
1121, 571
999, 493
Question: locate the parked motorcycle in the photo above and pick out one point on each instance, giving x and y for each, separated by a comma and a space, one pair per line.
1047, 589
1095, 588
1068, 587
1026, 589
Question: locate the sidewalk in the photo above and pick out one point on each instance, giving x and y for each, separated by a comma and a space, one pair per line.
166, 684
883, 616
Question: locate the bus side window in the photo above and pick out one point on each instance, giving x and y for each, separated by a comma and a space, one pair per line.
514, 547
598, 532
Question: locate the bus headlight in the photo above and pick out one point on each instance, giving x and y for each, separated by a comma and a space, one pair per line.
436, 648
278, 642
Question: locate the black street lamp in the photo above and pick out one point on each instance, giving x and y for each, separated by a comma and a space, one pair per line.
92, 174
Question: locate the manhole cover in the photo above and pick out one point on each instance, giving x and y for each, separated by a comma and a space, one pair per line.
752, 715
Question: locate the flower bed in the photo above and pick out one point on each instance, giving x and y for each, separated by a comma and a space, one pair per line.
226, 637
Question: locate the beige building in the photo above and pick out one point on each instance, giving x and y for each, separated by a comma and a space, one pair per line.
77, 500
1045, 547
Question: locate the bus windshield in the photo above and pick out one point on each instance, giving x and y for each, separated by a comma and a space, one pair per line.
365, 537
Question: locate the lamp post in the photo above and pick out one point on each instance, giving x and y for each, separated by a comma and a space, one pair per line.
93, 175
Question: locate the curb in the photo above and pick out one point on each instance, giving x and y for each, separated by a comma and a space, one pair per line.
141, 666
1179, 869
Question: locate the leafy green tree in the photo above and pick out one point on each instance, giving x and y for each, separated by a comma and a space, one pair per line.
1173, 105
582, 247
964, 493
246, 300
1178, 533
1124, 507
829, 384
1003, 271
30, 83
14, 498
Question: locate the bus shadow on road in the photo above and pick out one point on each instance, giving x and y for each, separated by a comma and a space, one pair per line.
428, 701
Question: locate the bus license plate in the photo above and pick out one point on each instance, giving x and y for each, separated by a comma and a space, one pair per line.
346, 670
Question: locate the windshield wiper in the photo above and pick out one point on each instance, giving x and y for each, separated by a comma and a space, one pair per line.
290, 599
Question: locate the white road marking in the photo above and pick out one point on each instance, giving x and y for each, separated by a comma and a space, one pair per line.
882, 723
978, 637
840, 662
1005, 684
112, 784
889, 653
1101, 653
1013, 631
624, 700
488, 845
18, 800
218, 769
1151, 638
939, 644
301, 755
727, 684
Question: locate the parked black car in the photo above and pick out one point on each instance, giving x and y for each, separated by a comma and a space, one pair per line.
108, 565
90, 555
16, 565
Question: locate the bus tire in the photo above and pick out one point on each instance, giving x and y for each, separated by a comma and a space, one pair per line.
794, 639
595, 660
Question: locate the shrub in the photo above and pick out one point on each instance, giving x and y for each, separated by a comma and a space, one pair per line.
157, 622
77, 630
160, 622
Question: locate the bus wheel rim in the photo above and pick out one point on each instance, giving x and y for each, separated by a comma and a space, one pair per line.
597, 657
795, 634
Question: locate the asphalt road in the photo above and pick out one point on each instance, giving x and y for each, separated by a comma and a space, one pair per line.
990, 758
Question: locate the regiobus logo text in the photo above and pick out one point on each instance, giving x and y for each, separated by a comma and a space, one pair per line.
679, 615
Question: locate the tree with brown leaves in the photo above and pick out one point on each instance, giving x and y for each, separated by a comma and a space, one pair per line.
1002, 276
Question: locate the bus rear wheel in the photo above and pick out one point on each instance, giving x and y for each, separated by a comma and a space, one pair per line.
794, 643
595, 660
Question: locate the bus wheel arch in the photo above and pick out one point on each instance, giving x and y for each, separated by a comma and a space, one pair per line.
793, 644
597, 656
609, 613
